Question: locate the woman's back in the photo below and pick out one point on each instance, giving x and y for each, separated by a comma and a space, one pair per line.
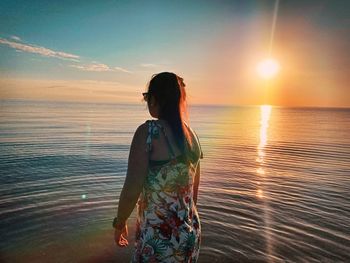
160, 148
168, 227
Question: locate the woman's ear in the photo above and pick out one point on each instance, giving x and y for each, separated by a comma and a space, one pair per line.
152, 101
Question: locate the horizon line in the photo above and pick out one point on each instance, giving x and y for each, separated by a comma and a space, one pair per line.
189, 105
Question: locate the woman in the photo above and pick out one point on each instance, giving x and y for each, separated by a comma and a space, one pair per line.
165, 189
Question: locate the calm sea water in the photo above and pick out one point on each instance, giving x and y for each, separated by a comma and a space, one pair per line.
275, 183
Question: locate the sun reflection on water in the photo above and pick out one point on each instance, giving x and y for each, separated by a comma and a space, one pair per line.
265, 111
260, 170
259, 193
264, 124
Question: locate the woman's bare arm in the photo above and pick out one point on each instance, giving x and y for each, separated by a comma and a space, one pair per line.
136, 174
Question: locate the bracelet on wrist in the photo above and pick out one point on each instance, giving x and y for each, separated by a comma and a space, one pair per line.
118, 225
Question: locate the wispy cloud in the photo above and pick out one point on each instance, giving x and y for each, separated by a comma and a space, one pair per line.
148, 65
38, 49
94, 66
122, 70
15, 38
99, 67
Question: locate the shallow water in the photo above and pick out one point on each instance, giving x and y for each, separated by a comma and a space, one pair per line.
275, 182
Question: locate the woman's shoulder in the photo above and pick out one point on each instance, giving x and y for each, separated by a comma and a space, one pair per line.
147, 128
142, 130
150, 123
146, 124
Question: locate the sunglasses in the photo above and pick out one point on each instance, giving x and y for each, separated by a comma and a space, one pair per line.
145, 95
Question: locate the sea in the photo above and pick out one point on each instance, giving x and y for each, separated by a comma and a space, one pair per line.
275, 181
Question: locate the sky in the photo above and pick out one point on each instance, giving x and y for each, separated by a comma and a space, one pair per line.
107, 51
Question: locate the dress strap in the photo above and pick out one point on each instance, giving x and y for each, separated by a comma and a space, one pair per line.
200, 147
199, 144
153, 132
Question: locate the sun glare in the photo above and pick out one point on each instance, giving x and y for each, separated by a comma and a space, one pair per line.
268, 68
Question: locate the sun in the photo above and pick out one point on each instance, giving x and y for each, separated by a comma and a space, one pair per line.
268, 68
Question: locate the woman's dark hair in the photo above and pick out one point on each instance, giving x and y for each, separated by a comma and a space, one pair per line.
168, 89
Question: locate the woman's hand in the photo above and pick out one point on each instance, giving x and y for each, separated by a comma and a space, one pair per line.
120, 236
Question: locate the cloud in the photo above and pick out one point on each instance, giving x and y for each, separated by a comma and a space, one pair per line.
99, 67
38, 50
148, 65
93, 66
16, 38
122, 70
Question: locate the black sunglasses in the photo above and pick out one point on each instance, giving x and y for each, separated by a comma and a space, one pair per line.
145, 95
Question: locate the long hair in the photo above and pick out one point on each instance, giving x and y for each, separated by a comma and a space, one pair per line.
168, 89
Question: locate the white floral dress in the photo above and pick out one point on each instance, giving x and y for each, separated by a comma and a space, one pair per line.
168, 227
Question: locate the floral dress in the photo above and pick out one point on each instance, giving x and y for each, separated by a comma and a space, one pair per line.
168, 227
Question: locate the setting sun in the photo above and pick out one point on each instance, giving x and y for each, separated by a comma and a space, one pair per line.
268, 68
